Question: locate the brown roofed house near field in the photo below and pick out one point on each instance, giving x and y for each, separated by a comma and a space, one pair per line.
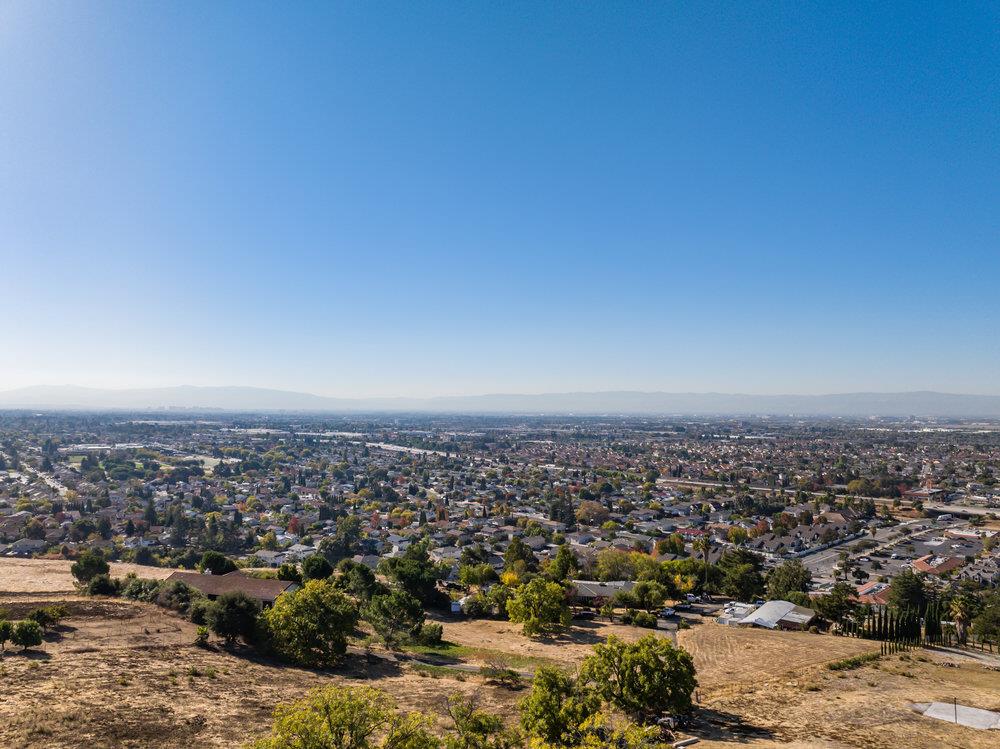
265, 590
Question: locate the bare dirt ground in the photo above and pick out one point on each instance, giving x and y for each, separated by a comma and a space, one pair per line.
53, 575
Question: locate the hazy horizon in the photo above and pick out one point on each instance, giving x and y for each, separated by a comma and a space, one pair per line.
422, 200
247, 399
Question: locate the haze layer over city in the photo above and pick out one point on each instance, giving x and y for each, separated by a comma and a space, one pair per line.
482, 376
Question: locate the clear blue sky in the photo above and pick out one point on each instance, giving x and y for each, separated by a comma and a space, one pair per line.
442, 198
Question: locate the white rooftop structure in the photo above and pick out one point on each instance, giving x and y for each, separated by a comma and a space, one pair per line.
774, 613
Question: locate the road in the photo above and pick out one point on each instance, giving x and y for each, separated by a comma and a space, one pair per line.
933, 506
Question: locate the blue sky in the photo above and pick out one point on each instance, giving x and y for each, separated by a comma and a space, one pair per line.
447, 198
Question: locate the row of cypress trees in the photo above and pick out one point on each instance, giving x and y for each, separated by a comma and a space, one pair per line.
899, 627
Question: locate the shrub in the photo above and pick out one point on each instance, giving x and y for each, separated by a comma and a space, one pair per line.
199, 610
176, 595
47, 616
139, 589
27, 634
201, 639
498, 669
477, 606
289, 572
6, 632
644, 619
857, 661
102, 585
430, 634
233, 616
89, 565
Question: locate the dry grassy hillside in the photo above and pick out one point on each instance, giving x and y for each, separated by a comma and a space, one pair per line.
123, 674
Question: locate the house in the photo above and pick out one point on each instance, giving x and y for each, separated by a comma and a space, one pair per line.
932, 564
26, 546
734, 612
874, 592
264, 591
587, 591
779, 615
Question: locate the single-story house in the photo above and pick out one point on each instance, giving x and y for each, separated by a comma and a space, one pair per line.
264, 590
591, 590
779, 615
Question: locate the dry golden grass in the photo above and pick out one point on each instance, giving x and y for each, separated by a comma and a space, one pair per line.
124, 674
867, 708
53, 575
724, 655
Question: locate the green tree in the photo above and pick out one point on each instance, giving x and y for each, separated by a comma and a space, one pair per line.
6, 632
985, 626
540, 606
216, 563
341, 717
476, 575
563, 564
359, 580
647, 595
557, 708
742, 582
394, 616
89, 565
344, 541
642, 679
232, 616
477, 729
415, 573
839, 605
27, 634
907, 592
787, 577
316, 567
518, 551
310, 626
289, 572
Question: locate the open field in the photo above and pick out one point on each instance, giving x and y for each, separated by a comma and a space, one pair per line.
568, 650
53, 576
865, 708
126, 674
725, 655
123, 674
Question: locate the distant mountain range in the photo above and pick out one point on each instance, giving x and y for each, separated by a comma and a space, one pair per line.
922, 403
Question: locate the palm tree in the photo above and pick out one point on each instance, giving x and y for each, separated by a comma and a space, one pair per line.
704, 545
963, 609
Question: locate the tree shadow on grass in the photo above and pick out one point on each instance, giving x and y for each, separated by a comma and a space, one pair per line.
29, 655
717, 725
